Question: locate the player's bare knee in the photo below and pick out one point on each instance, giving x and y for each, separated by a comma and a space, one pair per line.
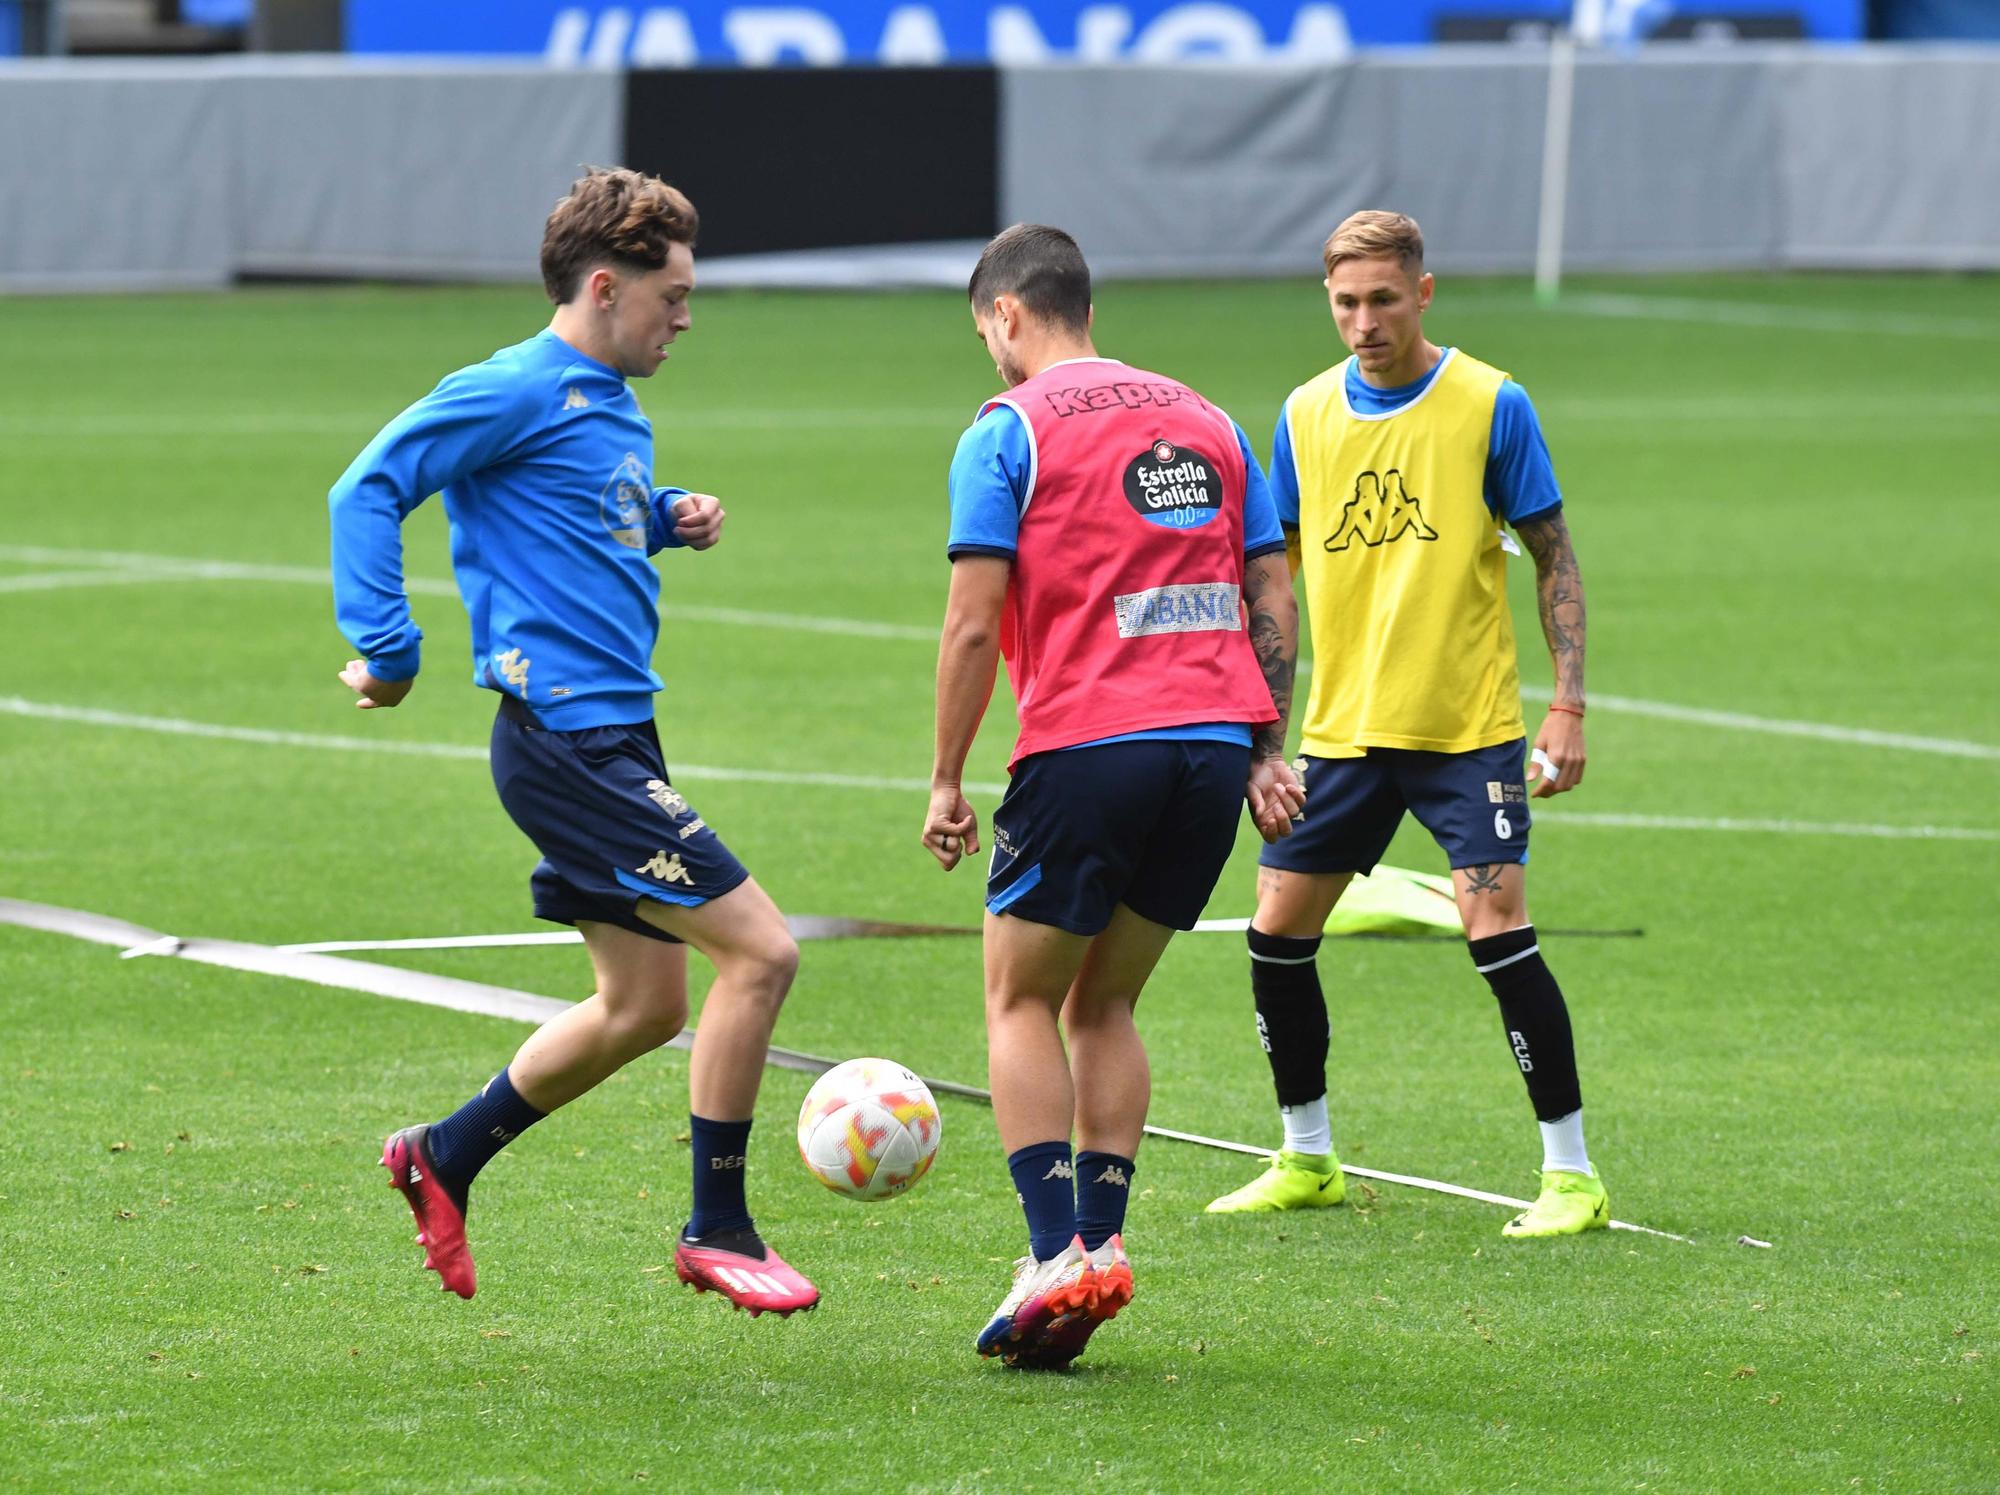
1006, 999
1098, 1012
640, 1026
764, 968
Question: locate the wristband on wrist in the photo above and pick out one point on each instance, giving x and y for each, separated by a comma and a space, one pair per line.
1571, 710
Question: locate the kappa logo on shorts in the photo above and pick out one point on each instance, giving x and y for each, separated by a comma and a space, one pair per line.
1381, 510
667, 868
665, 796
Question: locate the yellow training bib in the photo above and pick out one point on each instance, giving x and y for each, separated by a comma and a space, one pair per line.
1406, 587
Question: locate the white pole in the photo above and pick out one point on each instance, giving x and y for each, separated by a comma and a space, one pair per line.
1555, 163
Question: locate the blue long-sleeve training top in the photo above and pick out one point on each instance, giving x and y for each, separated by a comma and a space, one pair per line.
545, 463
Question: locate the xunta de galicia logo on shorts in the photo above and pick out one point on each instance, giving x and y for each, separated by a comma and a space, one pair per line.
1173, 486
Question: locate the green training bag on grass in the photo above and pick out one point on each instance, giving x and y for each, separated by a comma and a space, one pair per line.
1394, 900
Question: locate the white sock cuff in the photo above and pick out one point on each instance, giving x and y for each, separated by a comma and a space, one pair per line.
1307, 1128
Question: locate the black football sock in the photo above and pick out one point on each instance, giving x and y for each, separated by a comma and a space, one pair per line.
1291, 1014
1535, 1019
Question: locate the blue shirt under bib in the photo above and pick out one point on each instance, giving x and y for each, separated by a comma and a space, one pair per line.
1520, 479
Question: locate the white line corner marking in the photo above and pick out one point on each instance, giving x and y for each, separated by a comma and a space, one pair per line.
500, 1001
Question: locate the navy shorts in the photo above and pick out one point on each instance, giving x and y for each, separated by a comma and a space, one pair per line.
1147, 824
610, 826
1474, 804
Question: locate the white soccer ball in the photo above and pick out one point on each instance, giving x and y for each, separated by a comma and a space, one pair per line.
869, 1129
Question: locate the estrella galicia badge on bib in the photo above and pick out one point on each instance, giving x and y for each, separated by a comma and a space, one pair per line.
1174, 487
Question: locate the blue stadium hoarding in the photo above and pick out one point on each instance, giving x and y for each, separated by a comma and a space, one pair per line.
863, 32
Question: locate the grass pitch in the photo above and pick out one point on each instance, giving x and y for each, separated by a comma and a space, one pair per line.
1783, 496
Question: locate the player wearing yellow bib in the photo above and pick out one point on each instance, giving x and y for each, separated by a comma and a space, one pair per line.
1393, 472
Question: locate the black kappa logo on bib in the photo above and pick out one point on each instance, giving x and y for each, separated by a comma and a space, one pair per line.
1175, 487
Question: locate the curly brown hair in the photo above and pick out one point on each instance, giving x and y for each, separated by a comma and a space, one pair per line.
617, 216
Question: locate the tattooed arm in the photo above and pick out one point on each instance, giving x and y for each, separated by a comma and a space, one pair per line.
1559, 592
1274, 791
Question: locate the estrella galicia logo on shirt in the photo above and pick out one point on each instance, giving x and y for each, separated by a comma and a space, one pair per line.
1176, 487
627, 502
1381, 510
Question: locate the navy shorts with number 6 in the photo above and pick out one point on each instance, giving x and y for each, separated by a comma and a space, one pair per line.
1147, 824
1474, 804
611, 828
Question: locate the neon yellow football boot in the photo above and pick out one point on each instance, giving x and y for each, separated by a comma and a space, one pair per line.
1295, 1180
1569, 1204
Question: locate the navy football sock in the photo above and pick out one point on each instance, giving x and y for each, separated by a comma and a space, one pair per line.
719, 1149
1103, 1184
1045, 1183
467, 1140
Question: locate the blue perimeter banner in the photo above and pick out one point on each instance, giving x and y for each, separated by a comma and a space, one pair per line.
829, 33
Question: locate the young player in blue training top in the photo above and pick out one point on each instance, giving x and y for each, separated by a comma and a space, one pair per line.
545, 463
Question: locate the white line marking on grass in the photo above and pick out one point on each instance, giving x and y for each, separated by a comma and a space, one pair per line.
1852, 413
1948, 747
119, 565
121, 569
1612, 820
321, 970
439, 942
1764, 314
90, 716
499, 1001
68, 426
333, 742
55, 581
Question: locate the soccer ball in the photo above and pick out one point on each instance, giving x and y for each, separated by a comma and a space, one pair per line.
869, 1129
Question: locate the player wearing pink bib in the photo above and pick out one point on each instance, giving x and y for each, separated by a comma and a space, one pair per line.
1109, 529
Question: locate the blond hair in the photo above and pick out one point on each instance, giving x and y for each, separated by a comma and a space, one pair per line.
1372, 233
617, 217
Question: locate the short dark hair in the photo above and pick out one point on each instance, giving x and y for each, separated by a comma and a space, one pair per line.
615, 216
1040, 265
